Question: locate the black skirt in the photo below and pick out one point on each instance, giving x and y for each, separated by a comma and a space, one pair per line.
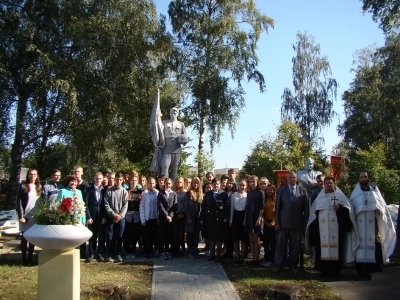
238, 234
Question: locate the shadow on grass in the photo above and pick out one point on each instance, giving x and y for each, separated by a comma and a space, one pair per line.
254, 282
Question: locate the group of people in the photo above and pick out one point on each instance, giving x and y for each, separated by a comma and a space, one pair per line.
341, 230
161, 214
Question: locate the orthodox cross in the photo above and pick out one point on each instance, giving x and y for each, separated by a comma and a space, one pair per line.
366, 201
334, 199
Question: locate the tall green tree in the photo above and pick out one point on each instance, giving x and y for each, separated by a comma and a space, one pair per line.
371, 103
310, 105
31, 69
79, 71
218, 43
386, 12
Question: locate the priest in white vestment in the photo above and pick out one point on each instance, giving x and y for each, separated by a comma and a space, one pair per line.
331, 233
375, 226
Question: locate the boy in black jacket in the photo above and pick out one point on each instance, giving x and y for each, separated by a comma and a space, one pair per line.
166, 206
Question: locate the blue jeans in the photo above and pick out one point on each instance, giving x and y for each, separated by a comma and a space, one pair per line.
115, 232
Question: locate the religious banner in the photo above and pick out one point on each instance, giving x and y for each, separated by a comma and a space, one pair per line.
336, 166
281, 177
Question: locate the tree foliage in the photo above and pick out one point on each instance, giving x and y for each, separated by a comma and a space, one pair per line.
386, 12
82, 72
373, 161
218, 42
371, 103
206, 160
310, 105
286, 149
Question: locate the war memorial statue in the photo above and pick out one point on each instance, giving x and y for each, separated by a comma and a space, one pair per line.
167, 137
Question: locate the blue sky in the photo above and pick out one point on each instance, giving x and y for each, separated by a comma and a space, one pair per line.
338, 26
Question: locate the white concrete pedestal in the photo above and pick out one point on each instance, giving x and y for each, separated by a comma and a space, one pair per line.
59, 275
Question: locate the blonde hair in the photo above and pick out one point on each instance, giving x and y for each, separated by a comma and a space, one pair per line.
145, 184
196, 194
134, 173
175, 187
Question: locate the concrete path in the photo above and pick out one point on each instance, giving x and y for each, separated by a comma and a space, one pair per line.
190, 278
383, 285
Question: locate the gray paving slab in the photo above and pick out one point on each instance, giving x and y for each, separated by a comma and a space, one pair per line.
187, 278
383, 285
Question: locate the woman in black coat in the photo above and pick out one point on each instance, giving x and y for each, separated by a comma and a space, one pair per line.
215, 216
254, 216
192, 209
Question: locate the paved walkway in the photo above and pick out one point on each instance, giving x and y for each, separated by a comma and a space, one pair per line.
188, 278
383, 285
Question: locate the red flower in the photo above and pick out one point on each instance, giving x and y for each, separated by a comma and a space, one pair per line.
66, 204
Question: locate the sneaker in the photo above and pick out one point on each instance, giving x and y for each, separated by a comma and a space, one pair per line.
266, 263
164, 256
89, 258
119, 258
100, 257
169, 255
109, 259
192, 255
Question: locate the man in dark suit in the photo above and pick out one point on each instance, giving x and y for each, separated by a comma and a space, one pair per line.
96, 217
291, 216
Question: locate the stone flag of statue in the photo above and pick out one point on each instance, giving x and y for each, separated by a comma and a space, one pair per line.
157, 135
167, 137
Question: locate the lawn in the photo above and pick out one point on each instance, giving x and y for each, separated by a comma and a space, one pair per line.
253, 282
97, 279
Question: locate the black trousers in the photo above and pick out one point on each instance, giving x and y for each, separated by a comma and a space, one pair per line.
98, 239
166, 236
150, 236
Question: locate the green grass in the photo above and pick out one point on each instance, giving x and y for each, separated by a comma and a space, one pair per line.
253, 282
20, 282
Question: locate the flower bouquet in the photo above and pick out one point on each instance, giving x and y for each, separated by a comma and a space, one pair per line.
69, 211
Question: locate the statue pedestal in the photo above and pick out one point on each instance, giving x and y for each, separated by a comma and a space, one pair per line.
59, 275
